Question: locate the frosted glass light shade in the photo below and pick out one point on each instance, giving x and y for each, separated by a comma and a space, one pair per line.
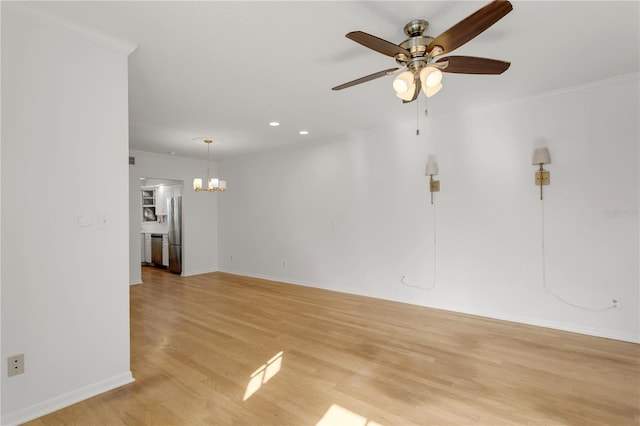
223, 185
430, 91
213, 183
403, 83
541, 156
430, 77
197, 184
431, 169
408, 95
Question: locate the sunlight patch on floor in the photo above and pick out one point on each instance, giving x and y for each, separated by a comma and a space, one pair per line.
340, 416
263, 374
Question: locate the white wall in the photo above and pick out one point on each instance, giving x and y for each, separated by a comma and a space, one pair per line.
65, 293
353, 215
199, 211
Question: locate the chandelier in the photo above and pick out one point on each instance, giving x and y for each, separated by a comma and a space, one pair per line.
213, 184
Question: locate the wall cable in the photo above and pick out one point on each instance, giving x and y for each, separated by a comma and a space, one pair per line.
544, 272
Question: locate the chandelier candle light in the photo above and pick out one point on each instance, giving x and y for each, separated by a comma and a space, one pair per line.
213, 184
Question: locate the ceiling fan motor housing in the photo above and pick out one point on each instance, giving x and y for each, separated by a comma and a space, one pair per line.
416, 44
416, 27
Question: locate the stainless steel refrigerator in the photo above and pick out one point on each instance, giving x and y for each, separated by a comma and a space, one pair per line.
174, 218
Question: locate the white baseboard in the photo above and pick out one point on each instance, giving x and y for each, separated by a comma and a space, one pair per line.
279, 279
45, 407
608, 334
589, 331
192, 273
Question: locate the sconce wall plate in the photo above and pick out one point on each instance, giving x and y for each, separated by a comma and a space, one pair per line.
542, 178
431, 170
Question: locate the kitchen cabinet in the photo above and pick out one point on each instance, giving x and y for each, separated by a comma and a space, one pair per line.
161, 200
142, 255
147, 248
148, 197
165, 250
149, 205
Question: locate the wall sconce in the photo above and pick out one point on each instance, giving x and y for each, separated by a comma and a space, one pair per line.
541, 156
431, 170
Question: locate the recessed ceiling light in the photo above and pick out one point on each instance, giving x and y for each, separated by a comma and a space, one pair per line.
303, 132
274, 124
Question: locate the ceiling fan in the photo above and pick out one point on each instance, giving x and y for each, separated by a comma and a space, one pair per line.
417, 56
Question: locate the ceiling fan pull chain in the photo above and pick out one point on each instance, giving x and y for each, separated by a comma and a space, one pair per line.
417, 117
426, 109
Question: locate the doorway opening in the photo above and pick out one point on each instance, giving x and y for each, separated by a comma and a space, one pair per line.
161, 224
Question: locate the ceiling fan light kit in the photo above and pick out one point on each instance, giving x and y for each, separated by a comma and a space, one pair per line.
416, 56
430, 77
430, 91
403, 82
405, 86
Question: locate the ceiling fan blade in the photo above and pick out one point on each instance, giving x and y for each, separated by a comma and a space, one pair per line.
366, 78
379, 45
473, 65
470, 26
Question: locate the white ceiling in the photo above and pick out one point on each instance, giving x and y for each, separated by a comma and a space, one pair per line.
226, 69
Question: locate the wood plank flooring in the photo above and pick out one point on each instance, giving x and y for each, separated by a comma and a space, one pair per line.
220, 349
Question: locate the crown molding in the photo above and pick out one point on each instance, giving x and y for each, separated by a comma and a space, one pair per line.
548, 94
71, 27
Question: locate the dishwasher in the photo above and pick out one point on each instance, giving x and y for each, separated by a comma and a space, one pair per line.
156, 249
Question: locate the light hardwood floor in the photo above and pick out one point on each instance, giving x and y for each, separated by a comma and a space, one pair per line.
220, 349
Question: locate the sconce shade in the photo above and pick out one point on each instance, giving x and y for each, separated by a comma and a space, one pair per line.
541, 156
431, 169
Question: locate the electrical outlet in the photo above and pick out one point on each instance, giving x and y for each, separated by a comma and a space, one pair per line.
615, 303
15, 365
